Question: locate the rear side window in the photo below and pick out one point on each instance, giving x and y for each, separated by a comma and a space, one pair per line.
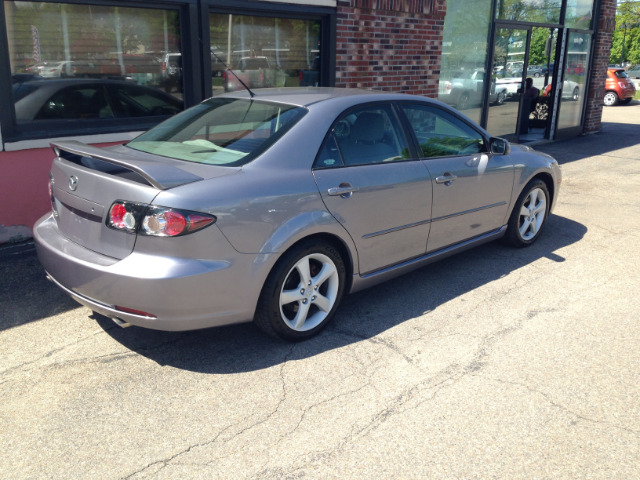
220, 131
441, 134
364, 136
78, 102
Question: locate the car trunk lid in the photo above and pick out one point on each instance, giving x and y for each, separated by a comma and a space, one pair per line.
87, 180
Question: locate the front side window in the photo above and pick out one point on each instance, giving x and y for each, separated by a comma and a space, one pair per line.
57, 46
220, 131
263, 52
440, 134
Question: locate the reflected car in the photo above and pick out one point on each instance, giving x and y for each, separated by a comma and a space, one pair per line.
618, 87
467, 89
570, 90
634, 72
269, 208
89, 99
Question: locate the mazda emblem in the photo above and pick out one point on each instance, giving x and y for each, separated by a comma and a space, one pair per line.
73, 183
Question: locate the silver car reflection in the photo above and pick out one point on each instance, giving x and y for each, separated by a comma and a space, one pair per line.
270, 208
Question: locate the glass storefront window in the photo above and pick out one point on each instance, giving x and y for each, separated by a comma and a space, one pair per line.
464, 55
579, 14
573, 87
92, 61
540, 11
263, 52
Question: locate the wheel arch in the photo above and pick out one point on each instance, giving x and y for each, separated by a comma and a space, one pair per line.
548, 180
335, 241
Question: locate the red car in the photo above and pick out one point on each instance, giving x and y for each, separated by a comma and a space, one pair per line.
619, 87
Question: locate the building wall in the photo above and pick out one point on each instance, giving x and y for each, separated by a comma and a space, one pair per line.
390, 45
606, 25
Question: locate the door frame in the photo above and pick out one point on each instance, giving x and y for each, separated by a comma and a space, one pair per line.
559, 55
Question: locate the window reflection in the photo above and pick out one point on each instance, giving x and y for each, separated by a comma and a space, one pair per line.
579, 14
573, 86
263, 52
544, 11
93, 61
464, 54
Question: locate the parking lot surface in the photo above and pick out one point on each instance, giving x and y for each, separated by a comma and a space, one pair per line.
496, 363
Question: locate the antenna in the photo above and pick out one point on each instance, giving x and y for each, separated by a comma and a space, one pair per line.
234, 74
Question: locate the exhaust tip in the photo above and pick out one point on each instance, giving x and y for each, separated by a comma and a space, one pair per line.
120, 322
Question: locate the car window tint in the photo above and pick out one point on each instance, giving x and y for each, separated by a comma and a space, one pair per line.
132, 101
329, 155
82, 101
220, 131
370, 135
441, 134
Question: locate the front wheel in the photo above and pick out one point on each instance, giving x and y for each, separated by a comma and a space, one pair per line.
529, 215
610, 98
302, 292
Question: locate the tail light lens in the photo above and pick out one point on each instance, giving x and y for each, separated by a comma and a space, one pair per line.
154, 220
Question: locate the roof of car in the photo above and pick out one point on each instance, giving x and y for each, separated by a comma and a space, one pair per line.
305, 96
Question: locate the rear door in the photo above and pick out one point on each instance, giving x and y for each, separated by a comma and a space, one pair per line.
374, 188
471, 187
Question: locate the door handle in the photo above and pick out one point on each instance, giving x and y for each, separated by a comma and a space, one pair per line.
447, 179
344, 190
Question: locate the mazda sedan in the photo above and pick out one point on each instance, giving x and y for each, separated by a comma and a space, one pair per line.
269, 208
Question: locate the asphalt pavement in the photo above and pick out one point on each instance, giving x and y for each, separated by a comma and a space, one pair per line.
495, 363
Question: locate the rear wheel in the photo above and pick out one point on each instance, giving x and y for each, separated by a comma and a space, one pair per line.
302, 292
576, 94
610, 98
529, 215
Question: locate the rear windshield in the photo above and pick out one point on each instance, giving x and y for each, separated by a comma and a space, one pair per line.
621, 74
220, 131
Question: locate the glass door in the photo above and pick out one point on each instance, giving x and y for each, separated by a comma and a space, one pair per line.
573, 95
522, 56
509, 63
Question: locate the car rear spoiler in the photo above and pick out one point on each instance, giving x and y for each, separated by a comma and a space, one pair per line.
158, 175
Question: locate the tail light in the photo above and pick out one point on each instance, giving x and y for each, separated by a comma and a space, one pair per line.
154, 220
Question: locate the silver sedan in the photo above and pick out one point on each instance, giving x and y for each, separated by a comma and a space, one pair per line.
271, 207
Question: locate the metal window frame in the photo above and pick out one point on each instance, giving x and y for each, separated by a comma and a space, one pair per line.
194, 45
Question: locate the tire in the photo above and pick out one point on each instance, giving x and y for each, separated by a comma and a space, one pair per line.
302, 292
536, 75
610, 99
529, 215
463, 101
502, 96
576, 94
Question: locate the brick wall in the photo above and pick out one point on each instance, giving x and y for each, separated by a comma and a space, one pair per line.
392, 45
593, 115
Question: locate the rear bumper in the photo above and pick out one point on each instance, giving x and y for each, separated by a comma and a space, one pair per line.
178, 293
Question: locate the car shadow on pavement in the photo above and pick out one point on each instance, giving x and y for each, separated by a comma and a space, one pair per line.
361, 316
25, 293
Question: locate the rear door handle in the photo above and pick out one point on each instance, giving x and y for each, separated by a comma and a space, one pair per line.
447, 179
344, 190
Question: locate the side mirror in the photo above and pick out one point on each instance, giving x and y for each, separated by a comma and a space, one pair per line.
500, 146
